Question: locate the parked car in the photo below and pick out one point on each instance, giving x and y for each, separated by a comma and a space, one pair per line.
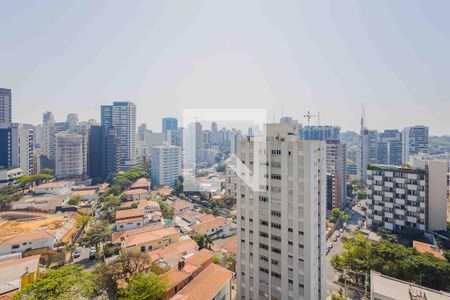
92, 253
335, 239
77, 253
330, 245
341, 230
338, 234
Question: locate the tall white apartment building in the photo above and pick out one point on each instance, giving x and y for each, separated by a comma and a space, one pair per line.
367, 151
415, 140
281, 215
69, 155
337, 167
23, 147
166, 164
122, 116
413, 196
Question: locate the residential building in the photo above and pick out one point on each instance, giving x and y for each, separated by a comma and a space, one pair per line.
149, 206
428, 248
141, 183
281, 216
8, 176
213, 283
230, 179
390, 147
320, 133
43, 203
415, 141
23, 147
215, 228
367, 151
54, 188
122, 116
27, 241
127, 219
166, 165
175, 137
69, 161
181, 206
409, 196
163, 259
383, 287
102, 153
135, 194
150, 240
5, 107
16, 273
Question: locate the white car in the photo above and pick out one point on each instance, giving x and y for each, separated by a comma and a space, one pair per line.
341, 230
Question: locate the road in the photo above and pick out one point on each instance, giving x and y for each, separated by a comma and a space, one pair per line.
357, 217
84, 258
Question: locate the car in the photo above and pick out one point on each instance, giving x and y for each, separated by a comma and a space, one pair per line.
327, 251
341, 230
335, 239
338, 234
358, 227
77, 253
330, 245
353, 212
92, 253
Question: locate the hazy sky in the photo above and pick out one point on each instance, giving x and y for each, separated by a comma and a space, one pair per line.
327, 56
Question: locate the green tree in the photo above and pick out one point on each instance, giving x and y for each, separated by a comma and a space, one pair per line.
166, 209
216, 260
83, 220
335, 214
145, 286
98, 232
67, 282
74, 200
362, 195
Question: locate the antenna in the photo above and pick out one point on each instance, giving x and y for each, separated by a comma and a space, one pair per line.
309, 116
363, 116
318, 118
282, 109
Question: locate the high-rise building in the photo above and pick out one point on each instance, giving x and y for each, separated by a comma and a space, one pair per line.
166, 165
72, 120
415, 141
320, 133
102, 156
389, 149
69, 155
281, 216
48, 117
408, 196
336, 161
5, 147
168, 123
5, 107
23, 147
367, 151
122, 116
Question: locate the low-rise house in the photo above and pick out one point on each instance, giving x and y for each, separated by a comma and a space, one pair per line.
43, 203
428, 248
194, 217
186, 270
383, 287
181, 206
150, 240
156, 216
27, 241
86, 194
142, 183
230, 247
214, 283
118, 236
149, 206
163, 259
134, 195
54, 188
17, 273
215, 228
131, 218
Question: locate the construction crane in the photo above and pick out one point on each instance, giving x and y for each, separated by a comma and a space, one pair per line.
309, 116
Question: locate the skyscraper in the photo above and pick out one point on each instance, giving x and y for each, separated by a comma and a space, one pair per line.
5, 107
389, 150
320, 133
102, 156
69, 155
166, 164
168, 124
5, 147
23, 147
122, 116
281, 216
415, 140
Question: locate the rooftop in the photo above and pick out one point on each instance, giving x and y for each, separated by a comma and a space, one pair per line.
129, 213
206, 285
140, 204
180, 204
174, 251
210, 224
428, 248
150, 236
135, 192
12, 270
116, 236
26, 237
54, 184
141, 183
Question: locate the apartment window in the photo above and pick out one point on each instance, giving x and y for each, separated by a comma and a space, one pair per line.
264, 258
264, 270
276, 275
265, 223
275, 213
275, 225
276, 250
275, 176
263, 199
276, 238
263, 234
263, 246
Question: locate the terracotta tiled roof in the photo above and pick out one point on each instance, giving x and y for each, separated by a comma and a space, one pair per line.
135, 192
141, 183
150, 236
428, 248
129, 213
200, 258
54, 184
141, 204
117, 235
27, 237
206, 285
180, 204
84, 193
174, 251
231, 245
202, 228
203, 218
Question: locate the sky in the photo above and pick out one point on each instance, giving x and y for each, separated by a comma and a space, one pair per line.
165, 56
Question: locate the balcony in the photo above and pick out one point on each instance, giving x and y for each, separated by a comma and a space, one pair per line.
378, 188
400, 201
377, 218
389, 226
412, 197
400, 212
399, 180
400, 191
389, 215
422, 194
411, 208
369, 182
389, 204
422, 204
388, 174
377, 198
389, 184
369, 192
412, 187
400, 222
412, 176
377, 178
378, 208
389, 194
369, 211
411, 219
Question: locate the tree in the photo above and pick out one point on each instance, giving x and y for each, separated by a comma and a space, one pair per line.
362, 195
110, 204
74, 200
83, 220
335, 214
121, 269
98, 232
340, 296
67, 282
216, 260
166, 210
145, 286
202, 240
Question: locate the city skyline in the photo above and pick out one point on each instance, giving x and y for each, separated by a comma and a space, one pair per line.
362, 52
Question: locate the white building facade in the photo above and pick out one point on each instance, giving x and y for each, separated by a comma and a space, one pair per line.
69, 155
281, 216
166, 164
